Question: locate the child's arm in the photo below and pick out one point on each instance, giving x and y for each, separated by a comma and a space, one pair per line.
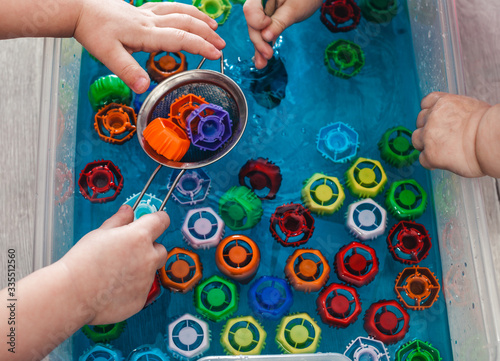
112, 30
103, 279
459, 134
264, 29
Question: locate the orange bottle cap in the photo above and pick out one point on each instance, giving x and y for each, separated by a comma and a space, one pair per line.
238, 257
167, 138
307, 270
182, 271
168, 65
115, 123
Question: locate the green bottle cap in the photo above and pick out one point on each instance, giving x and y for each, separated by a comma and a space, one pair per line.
217, 9
417, 351
298, 333
240, 208
109, 89
104, 333
406, 199
396, 148
344, 59
216, 298
379, 11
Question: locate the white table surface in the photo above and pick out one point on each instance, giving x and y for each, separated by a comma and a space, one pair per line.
20, 74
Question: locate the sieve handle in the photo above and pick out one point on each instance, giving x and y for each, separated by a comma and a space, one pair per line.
221, 62
153, 175
171, 189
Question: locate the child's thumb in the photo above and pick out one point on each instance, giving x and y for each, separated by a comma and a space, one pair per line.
282, 19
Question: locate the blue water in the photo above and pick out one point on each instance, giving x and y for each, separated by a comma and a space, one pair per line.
384, 94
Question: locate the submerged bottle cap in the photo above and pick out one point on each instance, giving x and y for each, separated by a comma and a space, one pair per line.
337, 142
323, 194
188, 337
147, 353
166, 65
167, 138
379, 11
243, 336
292, 225
115, 123
417, 288
109, 89
338, 305
261, 176
216, 298
192, 188
409, 242
183, 106
406, 199
298, 333
202, 228
270, 297
367, 348
238, 257
101, 352
240, 208
182, 271
417, 350
104, 333
340, 15
366, 178
356, 264
218, 10
100, 181
209, 127
148, 204
366, 219
344, 59
387, 321
396, 147
307, 270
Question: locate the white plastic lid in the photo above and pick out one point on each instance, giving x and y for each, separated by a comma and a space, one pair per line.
366, 219
203, 228
188, 337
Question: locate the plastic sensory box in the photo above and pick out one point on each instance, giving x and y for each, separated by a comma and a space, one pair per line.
469, 283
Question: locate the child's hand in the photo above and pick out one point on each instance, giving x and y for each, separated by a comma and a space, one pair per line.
112, 30
264, 29
113, 267
448, 133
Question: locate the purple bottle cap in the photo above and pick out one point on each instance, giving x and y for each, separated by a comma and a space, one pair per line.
209, 127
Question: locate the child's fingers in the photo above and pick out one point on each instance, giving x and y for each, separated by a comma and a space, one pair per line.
178, 8
260, 45
259, 60
431, 99
282, 18
121, 62
155, 224
124, 216
417, 139
162, 254
191, 25
255, 16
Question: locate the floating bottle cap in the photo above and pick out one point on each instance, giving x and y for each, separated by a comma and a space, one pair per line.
409, 242
238, 257
243, 336
104, 333
387, 321
147, 353
109, 89
218, 10
115, 123
216, 298
366, 348
202, 228
209, 127
366, 219
406, 199
379, 11
182, 271
396, 147
154, 292
240, 208
298, 333
182, 107
168, 64
101, 352
270, 297
356, 264
148, 204
417, 350
323, 194
262, 176
340, 15
337, 142
100, 181
417, 288
366, 178
167, 138
338, 305
307, 270
192, 188
344, 59
292, 225
188, 337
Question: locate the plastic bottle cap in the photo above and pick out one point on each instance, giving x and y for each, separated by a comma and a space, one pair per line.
188, 336
407, 197
237, 254
418, 286
180, 269
367, 176
216, 297
237, 213
388, 322
340, 305
357, 262
308, 268
299, 334
367, 353
258, 181
323, 193
337, 141
366, 218
167, 63
243, 337
401, 144
420, 356
270, 296
202, 226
